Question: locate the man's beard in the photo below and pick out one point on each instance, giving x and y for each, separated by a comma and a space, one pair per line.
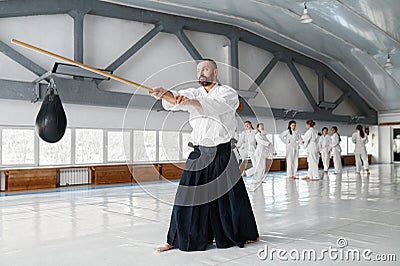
206, 82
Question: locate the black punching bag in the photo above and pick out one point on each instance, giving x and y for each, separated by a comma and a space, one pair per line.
51, 120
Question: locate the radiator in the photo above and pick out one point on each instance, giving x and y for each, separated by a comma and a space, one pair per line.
2, 181
73, 176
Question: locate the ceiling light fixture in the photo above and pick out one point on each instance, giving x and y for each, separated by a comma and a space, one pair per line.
388, 62
305, 18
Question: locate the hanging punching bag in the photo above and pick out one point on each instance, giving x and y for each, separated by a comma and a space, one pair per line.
51, 120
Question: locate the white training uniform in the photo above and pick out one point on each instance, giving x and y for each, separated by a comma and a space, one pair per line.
336, 153
324, 145
292, 150
263, 151
215, 123
360, 151
247, 147
311, 144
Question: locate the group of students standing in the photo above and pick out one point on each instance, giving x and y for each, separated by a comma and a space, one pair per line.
259, 148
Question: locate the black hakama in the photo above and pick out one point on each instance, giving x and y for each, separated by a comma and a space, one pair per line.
211, 203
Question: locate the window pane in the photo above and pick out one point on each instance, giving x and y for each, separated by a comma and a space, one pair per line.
279, 146
56, 153
18, 146
186, 150
343, 144
89, 146
169, 146
145, 146
118, 149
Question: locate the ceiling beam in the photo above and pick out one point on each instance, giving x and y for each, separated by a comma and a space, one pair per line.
264, 73
321, 87
21, 59
133, 49
234, 59
302, 85
183, 38
86, 92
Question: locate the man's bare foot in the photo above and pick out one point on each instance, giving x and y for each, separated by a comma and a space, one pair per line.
165, 248
314, 179
292, 178
306, 178
252, 241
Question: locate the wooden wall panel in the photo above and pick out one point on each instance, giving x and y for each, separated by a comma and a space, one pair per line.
145, 173
111, 174
30, 179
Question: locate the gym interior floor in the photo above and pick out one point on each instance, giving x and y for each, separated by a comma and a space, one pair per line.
123, 225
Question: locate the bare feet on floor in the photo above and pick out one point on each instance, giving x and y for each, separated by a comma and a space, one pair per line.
165, 248
293, 178
252, 241
306, 178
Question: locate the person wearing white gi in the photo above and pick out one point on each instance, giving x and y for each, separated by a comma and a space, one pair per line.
211, 202
336, 150
311, 144
324, 145
247, 146
292, 140
359, 138
263, 151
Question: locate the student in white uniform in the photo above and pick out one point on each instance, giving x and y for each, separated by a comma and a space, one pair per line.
292, 140
247, 146
311, 144
336, 150
359, 138
263, 151
324, 146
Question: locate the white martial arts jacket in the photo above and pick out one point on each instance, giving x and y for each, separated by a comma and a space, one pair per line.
247, 142
335, 144
359, 142
311, 140
264, 146
216, 123
324, 143
292, 140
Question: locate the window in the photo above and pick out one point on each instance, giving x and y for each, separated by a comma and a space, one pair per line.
169, 146
56, 153
350, 146
145, 144
343, 144
18, 146
118, 146
89, 146
186, 150
279, 146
